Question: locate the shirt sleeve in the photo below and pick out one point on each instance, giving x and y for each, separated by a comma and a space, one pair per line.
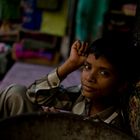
41, 90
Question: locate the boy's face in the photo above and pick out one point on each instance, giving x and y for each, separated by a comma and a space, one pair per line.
99, 79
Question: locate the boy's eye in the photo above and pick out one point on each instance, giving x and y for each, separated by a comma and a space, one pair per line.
86, 66
104, 73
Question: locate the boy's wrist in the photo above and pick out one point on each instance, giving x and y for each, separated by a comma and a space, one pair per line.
66, 69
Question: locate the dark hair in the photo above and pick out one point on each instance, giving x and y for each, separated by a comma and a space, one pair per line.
120, 52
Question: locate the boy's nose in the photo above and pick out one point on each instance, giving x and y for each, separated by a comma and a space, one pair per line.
92, 77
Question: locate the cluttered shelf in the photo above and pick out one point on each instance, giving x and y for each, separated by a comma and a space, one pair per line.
41, 28
36, 47
30, 46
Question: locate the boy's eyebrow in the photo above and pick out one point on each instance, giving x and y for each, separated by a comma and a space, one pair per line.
101, 67
104, 68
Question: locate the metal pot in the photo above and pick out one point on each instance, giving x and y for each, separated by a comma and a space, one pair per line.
57, 126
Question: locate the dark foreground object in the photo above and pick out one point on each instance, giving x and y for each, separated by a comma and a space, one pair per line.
57, 126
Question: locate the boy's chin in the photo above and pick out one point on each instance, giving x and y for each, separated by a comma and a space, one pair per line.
88, 95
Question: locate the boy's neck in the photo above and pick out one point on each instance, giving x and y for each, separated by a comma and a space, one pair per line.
99, 106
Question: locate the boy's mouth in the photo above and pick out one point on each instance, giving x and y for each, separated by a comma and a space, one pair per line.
88, 88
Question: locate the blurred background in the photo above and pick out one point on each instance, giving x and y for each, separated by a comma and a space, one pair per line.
42, 31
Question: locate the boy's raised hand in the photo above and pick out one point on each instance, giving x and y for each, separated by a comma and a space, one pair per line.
78, 53
77, 57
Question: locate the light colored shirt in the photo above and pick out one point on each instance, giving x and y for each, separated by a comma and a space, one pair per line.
45, 90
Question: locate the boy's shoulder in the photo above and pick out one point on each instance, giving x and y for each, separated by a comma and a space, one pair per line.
134, 110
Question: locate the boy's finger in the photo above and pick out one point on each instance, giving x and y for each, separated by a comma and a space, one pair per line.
52, 109
77, 44
83, 49
46, 109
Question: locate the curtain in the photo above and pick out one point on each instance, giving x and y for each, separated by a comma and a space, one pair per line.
89, 18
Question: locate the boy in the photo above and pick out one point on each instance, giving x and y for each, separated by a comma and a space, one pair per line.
105, 79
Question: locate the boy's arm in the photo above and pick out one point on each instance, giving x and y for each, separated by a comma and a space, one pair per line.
50, 83
78, 55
